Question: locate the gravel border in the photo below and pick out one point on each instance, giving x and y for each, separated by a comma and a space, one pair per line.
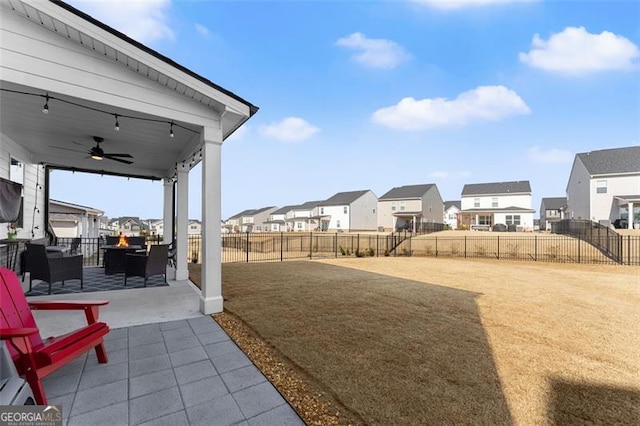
313, 405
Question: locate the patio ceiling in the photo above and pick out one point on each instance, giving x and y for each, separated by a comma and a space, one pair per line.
64, 136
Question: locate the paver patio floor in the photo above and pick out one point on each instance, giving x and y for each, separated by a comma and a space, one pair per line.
184, 372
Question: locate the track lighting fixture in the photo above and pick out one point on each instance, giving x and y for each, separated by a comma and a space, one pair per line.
171, 135
117, 126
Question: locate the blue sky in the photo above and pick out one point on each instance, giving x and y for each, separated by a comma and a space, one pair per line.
372, 95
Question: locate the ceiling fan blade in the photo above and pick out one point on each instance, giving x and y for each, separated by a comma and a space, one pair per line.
78, 143
67, 149
118, 155
117, 159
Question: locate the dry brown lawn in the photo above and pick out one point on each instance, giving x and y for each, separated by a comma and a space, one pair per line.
449, 341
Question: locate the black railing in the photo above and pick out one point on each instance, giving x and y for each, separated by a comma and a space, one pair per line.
605, 239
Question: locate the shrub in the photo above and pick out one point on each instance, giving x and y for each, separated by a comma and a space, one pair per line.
342, 251
359, 253
386, 253
372, 252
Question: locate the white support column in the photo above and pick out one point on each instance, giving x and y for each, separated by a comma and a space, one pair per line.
167, 211
182, 222
630, 217
211, 291
84, 228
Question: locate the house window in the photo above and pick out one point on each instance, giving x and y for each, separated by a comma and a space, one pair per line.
299, 225
476, 202
601, 186
484, 220
321, 210
494, 202
16, 174
402, 206
393, 207
337, 224
344, 210
374, 211
513, 219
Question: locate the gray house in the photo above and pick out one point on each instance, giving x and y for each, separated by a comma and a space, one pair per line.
409, 206
551, 210
604, 185
349, 211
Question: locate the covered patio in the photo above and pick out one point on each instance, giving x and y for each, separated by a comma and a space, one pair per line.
80, 96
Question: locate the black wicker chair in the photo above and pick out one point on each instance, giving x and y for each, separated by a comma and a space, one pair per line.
52, 268
147, 265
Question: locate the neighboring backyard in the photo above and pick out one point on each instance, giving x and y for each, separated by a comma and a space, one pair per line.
412, 340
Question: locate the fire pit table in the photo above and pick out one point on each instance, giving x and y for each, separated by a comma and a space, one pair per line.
115, 257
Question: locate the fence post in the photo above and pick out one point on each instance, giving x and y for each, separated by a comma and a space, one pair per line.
628, 250
498, 247
535, 250
579, 248
311, 245
377, 245
465, 246
281, 244
436, 246
335, 244
247, 246
358, 243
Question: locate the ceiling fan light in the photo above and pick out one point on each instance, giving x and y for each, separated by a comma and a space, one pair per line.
171, 135
96, 157
117, 126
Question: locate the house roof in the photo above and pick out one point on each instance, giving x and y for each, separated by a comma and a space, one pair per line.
608, 161
452, 203
407, 191
76, 206
309, 205
284, 210
242, 213
258, 211
554, 203
495, 188
343, 198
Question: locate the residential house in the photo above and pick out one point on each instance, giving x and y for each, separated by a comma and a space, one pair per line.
156, 227
127, 225
276, 222
66, 77
303, 218
551, 210
70, 220
349, 211
486, 204
254, 220
195, 227
451, 210
409, 206
604, 185
234, 223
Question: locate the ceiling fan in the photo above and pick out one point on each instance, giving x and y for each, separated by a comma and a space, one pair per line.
97, 153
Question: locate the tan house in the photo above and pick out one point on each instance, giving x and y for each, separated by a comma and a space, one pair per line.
410, 206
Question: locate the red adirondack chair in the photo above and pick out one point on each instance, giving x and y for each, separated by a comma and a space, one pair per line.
36, 358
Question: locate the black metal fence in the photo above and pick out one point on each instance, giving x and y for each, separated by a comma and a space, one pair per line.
605, 239
272, 247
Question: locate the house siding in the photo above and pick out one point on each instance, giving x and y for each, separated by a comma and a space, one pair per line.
364, 213
432, 206
486, 201
33, 207
578, 187
603, 206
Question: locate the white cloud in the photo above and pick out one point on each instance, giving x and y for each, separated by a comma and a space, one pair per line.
576, 51
291, 129
461, 4
552, 155
142, 20
485, 103
374, 52
202, 30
